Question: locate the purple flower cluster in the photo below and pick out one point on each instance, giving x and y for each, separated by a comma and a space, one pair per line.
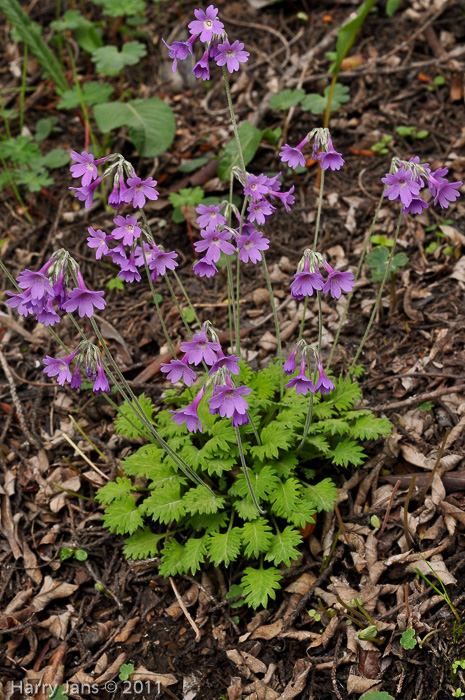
51, 287
249, 241
301, 382
404, 185
87, 358
128, 188
208, 29
323, 150
309, 279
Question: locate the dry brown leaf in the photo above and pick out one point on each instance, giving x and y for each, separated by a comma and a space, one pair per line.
52, 590
263, 692
106, 674
268, 631
437, 564
358, 684
368, 661
57, 625
235, 689
98, 634
302, 584
18, 601
143, 674
127, 630
299, 680
189, 598
246, 663
325, 637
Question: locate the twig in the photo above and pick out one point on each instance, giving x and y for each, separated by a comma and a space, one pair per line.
417, 399
341, 525
185, 611
388, 509
406, 504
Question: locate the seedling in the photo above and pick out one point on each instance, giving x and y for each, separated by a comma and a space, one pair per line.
125, 672
458, 625
438, 81
68, 552
408, 641
381, 147
411, 132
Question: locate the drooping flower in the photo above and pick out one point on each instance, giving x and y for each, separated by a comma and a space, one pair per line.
441, 189
129, 271
290, 364
47, 314
86, 194
250, 245
228, 399
205, 268
59, 367
201, 69
215, 242
324, 385
76, 378
206, 24
98, 240
287, 198
190, 415
178, 51
294, 156
330, 159
231, 55
127, 229
338, 282
201, 349
306, 282
401, 186
37, 283
139, 190
209, 216
83, 299
257, 186
301, 383
101, 384
416, 206
230, 362
179, 369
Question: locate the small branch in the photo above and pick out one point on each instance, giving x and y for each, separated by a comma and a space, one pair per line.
185, 611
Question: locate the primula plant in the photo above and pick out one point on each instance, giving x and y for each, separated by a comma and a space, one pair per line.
240, 460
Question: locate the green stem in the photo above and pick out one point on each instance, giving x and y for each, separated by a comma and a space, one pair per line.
238, 308
186, 296
16, 193
155, 301
23, 91
10, 276
276, 325
246, 472
308, 420
237, 332
233, 121
302, 323
173, 296
319, 208
380, 293
357, 274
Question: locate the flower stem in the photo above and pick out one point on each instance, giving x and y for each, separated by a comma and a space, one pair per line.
276, 324
155, 301
233, 122
380, 293
308, 420
246, 472
186, 296
237, 331
173, 296
357, 273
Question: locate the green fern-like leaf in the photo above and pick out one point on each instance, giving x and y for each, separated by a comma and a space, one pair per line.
259, 585
323, 410
275, 436
285, 496
172, 559
114, 490
195, 551
370, 428
209, 523
142, 544
129, 424
321, 496
245, 508
256, 536
245, 373
142, 461
199, 500
265, 384
283, 546
345, 395
285, 465
123, 516
164, 504
347, 452
263, 481
224, 547
302, 514
334, 426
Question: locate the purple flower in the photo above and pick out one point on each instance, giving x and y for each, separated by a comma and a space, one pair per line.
338, 282
215, 242
292, 156
83, 299
229, 362
36, 282
159, 261
138, 190
47, 315
97, 240
205, 268
206, 24
324, 385
442, 190
76, 378
179, 369
118, 255
127, 229
250, 246
178, 52
306, 282
228, 400
129, 271
101, 384
59, 367
190, 415
59, 288
301, 383
239, 419
209, 216
201, 69
85, 167
201, 349
401, 186
331, 159
231, 55
416, 206
257, 186
86, 194
260, 211
24, 303
289, 365
287, 198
